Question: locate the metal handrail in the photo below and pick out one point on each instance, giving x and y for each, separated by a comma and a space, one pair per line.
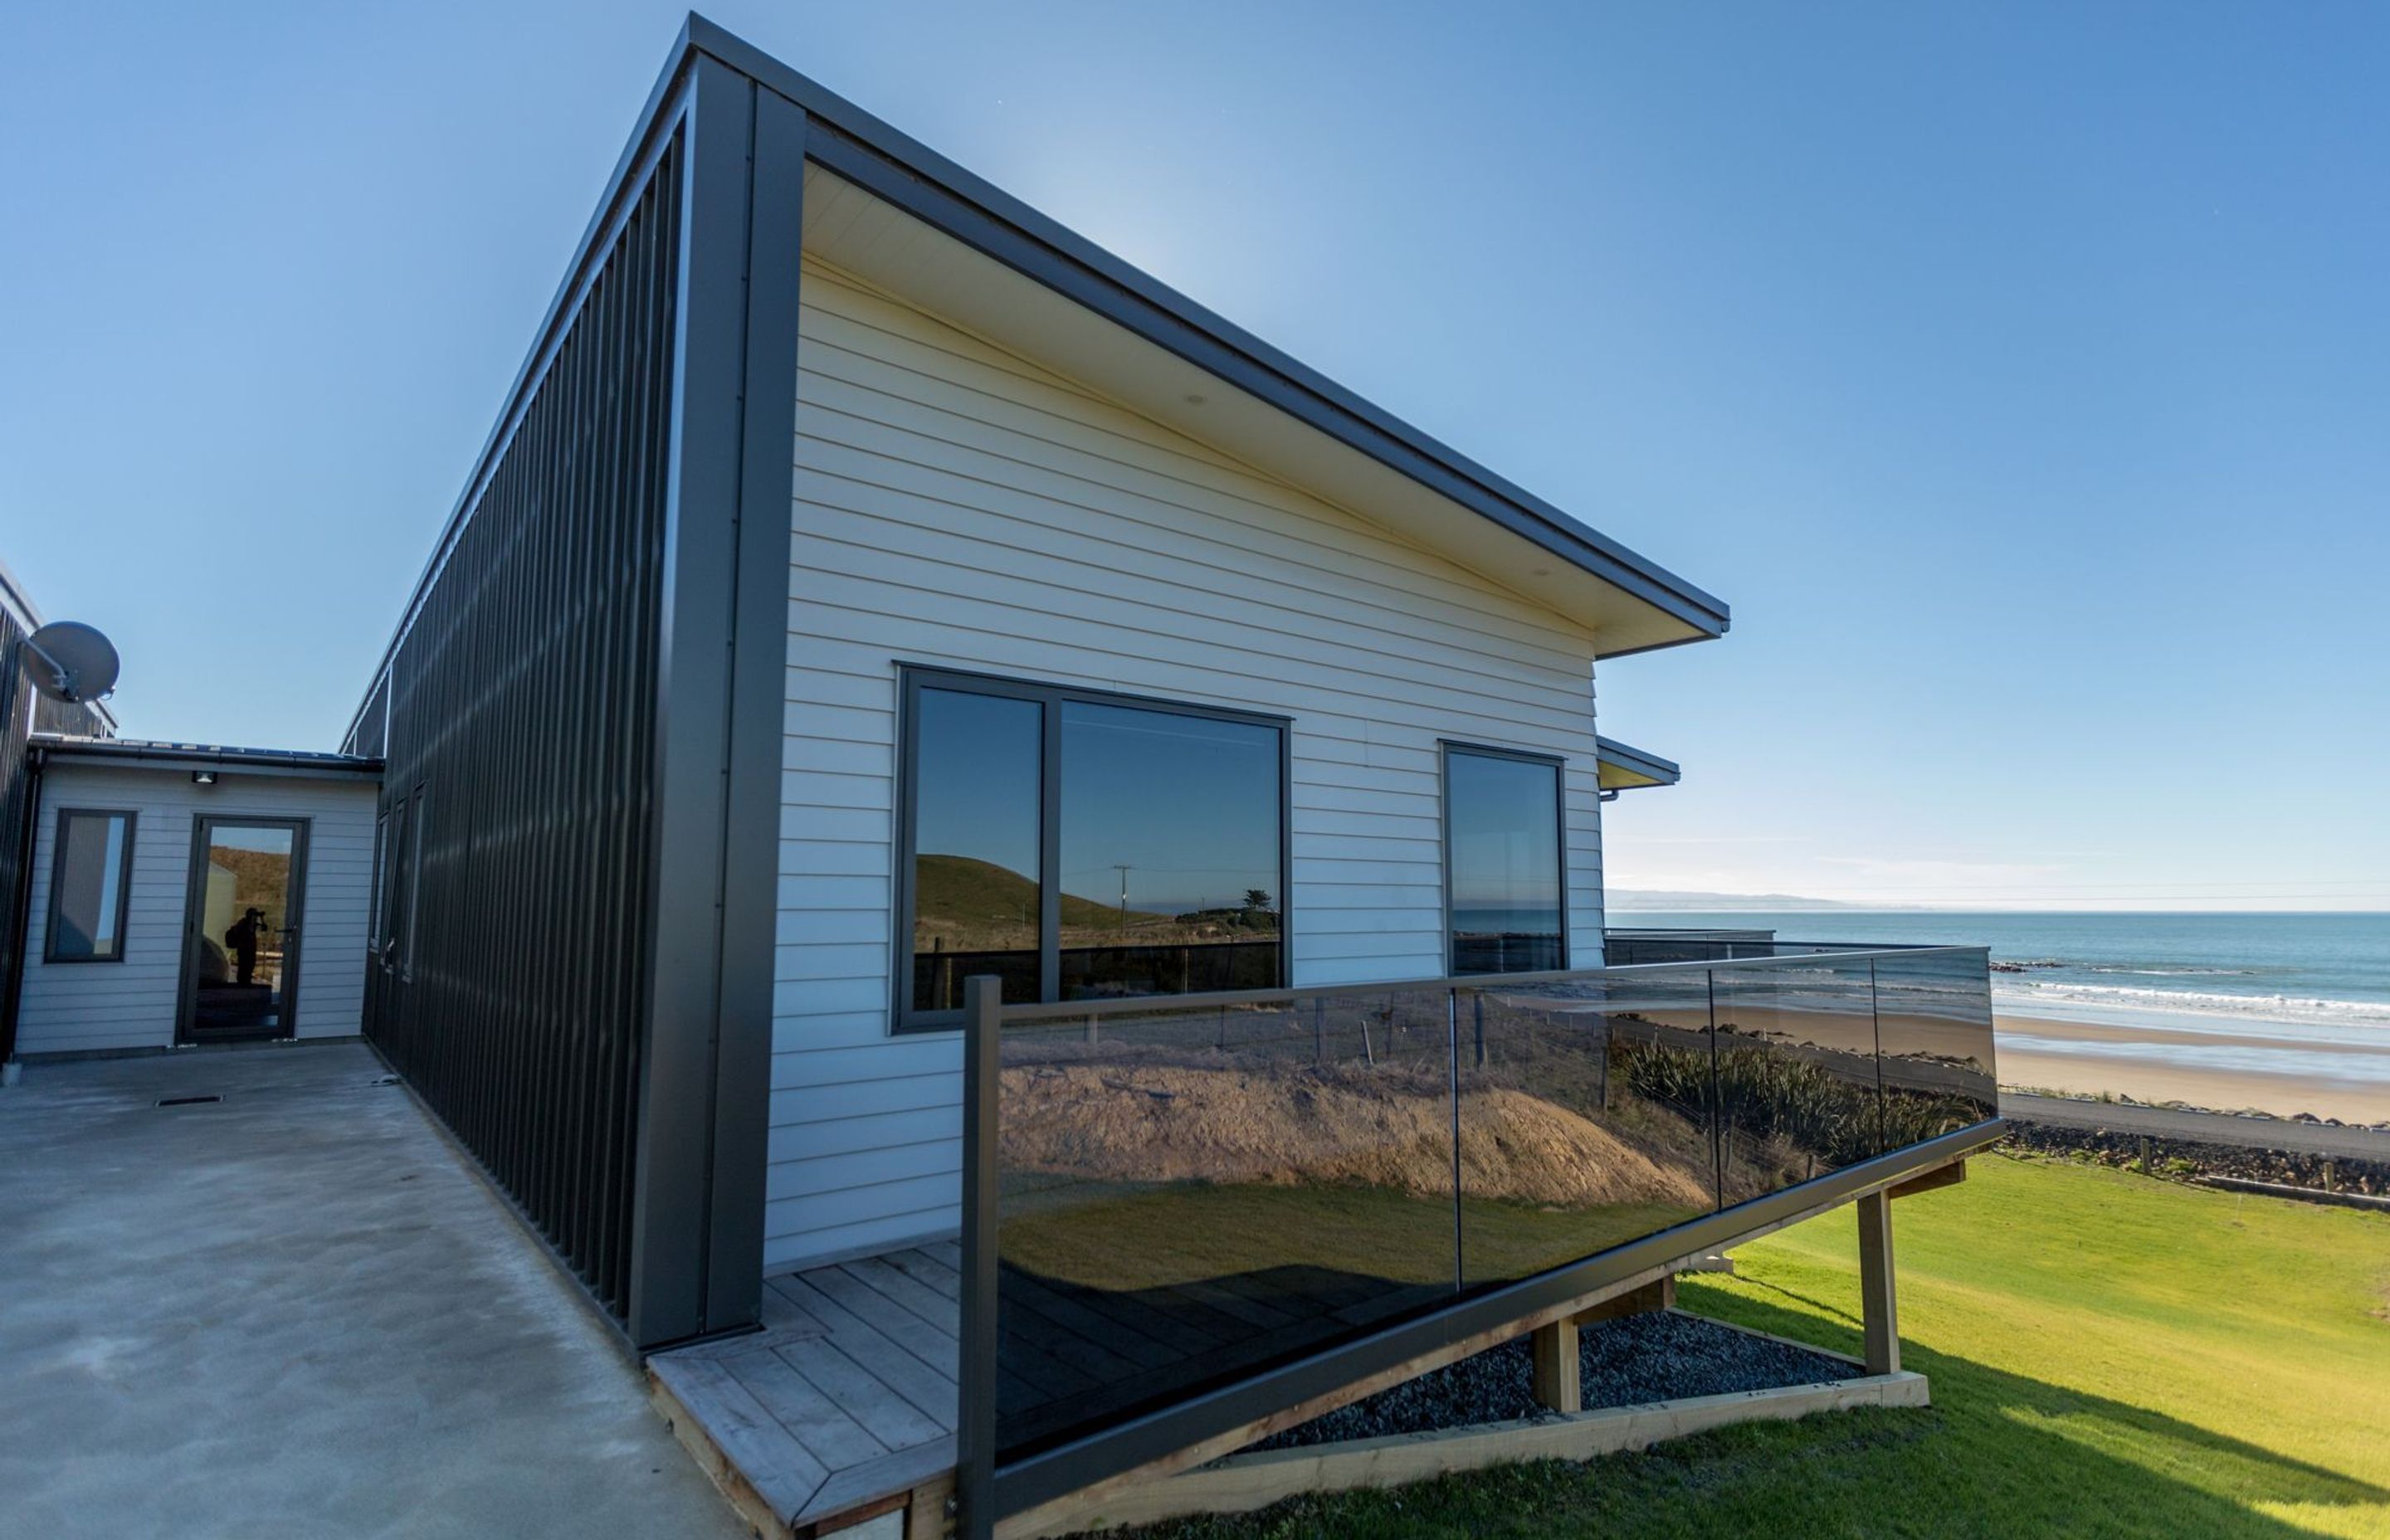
1029, 1012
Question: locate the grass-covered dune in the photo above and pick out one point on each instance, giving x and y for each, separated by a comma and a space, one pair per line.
2111, 1355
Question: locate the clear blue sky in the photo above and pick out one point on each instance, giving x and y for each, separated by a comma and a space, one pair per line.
2021, 373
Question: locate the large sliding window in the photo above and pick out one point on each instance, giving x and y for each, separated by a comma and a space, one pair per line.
1084, 846
91, 887
1504, 886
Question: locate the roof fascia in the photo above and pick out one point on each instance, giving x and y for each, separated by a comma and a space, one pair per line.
895, 166
1634, 761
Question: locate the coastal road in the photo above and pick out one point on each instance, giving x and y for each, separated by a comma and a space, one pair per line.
2307, 1138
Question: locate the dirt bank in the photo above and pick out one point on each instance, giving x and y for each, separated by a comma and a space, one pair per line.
1129, 1119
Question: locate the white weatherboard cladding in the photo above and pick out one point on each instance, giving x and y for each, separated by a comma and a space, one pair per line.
958, 505
83, 1006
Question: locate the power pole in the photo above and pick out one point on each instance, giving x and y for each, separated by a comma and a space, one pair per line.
1123, 868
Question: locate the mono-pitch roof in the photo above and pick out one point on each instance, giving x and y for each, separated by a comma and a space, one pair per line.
1306, 425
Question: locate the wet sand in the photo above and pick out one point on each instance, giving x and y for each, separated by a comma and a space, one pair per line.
2285, 1093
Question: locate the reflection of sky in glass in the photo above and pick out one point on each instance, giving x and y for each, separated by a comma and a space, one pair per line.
1190, 804
1504, 817
975, 777
112, 887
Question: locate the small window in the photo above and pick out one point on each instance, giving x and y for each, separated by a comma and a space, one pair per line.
1085, 846
373, 890
90, 882
1504, 894
411, 908
389, 901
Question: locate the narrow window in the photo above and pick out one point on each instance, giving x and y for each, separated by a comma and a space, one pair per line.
1503, 881
395, 863
414, 885
91, 881
978, 867
373, 889
1080, 846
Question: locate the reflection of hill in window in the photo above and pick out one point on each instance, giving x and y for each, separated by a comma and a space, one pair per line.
260, 877
975, 905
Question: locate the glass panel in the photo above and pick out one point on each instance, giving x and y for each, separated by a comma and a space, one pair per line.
1170, 853
977, 875
1189, 1195
246, 934
1935, 1016
1585, 1119
91, 860
1502, 820
1796, 1073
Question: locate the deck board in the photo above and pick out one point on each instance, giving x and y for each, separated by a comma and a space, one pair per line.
809, 1416
928, 1383
928, 1270
831, 1409
881, 1409
847, 1398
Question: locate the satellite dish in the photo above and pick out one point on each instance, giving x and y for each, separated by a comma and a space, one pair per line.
83, 664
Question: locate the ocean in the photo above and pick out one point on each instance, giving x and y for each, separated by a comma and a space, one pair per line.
2261, 986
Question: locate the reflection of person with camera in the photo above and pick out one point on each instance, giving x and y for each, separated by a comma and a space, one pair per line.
242, 940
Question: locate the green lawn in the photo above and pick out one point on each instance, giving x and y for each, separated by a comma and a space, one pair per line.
1127, 1238
2111, 1355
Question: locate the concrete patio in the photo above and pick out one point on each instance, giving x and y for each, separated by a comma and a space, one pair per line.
296, 1312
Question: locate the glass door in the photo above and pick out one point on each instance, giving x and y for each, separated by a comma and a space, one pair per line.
240, 971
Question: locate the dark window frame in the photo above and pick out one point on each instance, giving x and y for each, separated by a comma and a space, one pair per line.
131, 817
1445, 748
394, 816
913, 678
373, 892
294, 909
415, 818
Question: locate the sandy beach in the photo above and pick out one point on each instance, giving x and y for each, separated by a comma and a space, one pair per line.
2151, 1074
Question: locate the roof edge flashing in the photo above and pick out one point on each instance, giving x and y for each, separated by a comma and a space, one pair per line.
1149, 307
1625, 767
920, 178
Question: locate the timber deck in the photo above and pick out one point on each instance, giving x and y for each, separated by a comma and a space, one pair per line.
843, 1406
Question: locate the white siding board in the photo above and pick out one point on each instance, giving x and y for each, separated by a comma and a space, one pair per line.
1145, 569
851, 1133
866, 1099
784, 1252
1109, 451
826, 1174
956, 506
89, 1006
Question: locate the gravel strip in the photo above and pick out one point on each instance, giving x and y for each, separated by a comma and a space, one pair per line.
1661, 1357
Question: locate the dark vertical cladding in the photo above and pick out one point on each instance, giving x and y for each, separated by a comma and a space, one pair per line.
520, 718
366, 735
22, 713
582, 726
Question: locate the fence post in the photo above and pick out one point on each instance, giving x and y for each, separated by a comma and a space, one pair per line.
1877, 1293
975, 1432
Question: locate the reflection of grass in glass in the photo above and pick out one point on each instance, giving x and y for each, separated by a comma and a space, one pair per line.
1121, 1236
1506, 1241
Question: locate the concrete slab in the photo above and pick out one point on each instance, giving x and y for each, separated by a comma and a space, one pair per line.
296, 1312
